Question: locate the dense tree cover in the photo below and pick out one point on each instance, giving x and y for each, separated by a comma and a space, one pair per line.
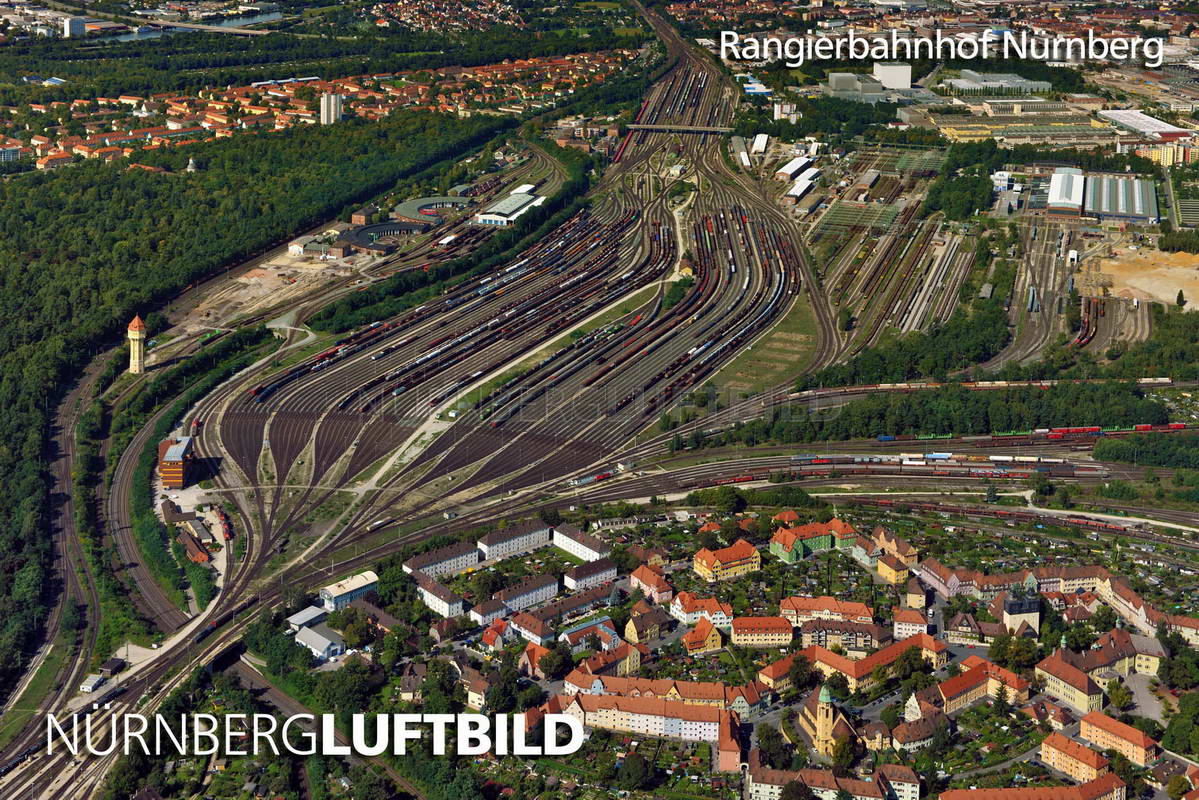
958, 197
85, 247
1182, 734
1181, 670
830, 116
1153, 449
951, 409
119, 620
195, 60
408, 289
960, 342
1179, 241
987, 156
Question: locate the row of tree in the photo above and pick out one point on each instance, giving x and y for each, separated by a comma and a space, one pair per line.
951, 409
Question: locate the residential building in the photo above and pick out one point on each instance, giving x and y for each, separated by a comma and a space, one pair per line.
651, 583
532, 591
448, 560
978, 679
739, 558
330, 108
907, 622
488, 611
688, 609
762, 632
858, 673
889, 782
438, 597
1068, 684
1076, 760
591, 573
856, 639
529, 662
914, 596
514, 540
625, 660
740, 699
703, 638
892, 570
377, 617
918, 733
579, 637
653, 624
337, 596
799, 610
580, 545
642, 716
797, 543
1106, 787
531, 629
965, 629
1110, 734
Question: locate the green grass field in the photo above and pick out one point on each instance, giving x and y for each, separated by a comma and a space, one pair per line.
776, 357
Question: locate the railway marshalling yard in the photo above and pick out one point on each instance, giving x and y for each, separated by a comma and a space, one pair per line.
334, 451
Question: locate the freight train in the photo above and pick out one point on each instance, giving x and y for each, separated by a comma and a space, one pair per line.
1015, 515
847, 466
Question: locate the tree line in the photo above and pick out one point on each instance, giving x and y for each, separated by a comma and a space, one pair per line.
196, 60
951, 409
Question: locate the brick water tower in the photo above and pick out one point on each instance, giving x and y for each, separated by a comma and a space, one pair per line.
137, 346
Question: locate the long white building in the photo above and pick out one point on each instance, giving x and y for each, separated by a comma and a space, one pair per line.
514, 541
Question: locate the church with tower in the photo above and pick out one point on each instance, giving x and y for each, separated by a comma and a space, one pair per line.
824, 723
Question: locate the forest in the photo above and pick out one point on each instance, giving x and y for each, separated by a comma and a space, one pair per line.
821, 115
1151, 449
196, 60
86, 247
951, 409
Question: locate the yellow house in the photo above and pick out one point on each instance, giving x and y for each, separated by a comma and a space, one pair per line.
892, 570
703, 638
762, 632
1069, 684
739, 558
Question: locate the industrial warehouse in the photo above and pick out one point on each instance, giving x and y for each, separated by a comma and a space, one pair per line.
1103, 197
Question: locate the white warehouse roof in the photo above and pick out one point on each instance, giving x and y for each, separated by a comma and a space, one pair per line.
793, 166
1133, 120
799, 188
1066, 188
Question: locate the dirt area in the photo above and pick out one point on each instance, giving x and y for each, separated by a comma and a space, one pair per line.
284, 278
1144, 275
